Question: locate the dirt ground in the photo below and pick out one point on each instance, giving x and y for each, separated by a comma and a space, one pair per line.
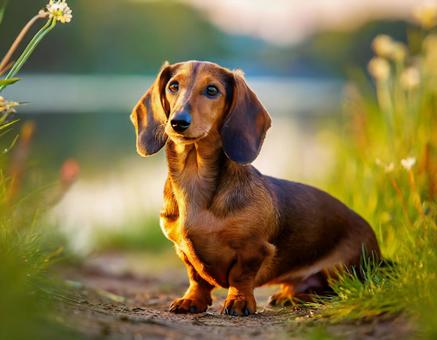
126, 296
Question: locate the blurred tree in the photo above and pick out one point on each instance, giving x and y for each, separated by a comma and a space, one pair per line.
112, 36
126, 37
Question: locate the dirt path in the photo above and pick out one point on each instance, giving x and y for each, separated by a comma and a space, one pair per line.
122, 296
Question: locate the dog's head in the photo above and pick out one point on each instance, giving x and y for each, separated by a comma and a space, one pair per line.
190, 100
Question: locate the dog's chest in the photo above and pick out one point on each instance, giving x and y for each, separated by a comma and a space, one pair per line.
190, 224
200, 240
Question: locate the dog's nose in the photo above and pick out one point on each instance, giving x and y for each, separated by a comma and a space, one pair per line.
181, 122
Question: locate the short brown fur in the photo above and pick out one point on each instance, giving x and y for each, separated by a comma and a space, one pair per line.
232, 226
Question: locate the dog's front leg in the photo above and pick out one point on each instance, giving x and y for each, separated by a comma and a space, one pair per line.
197, 298
240, 299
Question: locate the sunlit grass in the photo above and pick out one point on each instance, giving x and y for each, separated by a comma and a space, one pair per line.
387, 170
25, 288
24, 282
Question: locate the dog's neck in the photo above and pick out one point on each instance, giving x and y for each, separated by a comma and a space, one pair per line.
194, 170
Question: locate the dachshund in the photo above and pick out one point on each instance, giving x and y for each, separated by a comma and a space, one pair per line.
232, 226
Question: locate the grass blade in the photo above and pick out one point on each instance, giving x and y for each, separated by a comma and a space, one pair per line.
7, 82
4, 126
2, 10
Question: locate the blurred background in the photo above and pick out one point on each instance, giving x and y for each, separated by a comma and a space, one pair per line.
85, 77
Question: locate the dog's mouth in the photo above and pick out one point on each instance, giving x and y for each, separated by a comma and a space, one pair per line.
177, 138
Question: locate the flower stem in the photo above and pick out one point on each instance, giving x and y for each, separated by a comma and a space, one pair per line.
416, 195
29, 49
19, 39
401, 199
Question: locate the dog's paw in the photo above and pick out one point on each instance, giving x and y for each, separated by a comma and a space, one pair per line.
184, 306
281, 300
285, 300
239, 305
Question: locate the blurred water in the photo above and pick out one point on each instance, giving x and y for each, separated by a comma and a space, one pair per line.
117, 94
87, 118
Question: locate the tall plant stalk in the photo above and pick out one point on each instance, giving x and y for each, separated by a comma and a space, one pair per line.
29, 49
6, 60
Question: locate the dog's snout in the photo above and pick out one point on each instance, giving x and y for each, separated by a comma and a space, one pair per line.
181, 122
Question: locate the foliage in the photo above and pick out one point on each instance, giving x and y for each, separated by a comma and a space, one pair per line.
23, 284
388, 156
146, 42
24, 288
139, 237
156, 31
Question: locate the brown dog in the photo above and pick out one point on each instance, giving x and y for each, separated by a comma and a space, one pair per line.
232, 226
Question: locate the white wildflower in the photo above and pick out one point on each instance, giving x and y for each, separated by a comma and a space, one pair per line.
410, 78
408, 163
379, 68
399, 52
7, 106
383, 45
59, 10
388, 167
426, 15
430, 44
430, 60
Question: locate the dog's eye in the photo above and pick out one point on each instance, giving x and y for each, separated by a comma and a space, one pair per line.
173, 87
212, 91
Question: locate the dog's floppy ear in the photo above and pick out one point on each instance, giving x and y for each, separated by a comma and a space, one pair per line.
149, 115
246, 123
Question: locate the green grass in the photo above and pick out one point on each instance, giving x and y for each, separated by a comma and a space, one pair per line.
382, 127
25, 285
146, 236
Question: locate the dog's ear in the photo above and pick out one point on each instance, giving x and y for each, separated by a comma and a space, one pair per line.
150, 115
246, 123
